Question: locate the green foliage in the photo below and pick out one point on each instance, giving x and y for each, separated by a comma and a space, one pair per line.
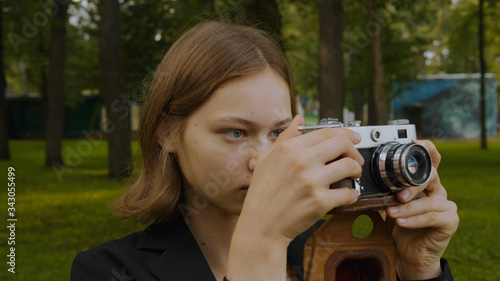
58, 219
455, 42
418, 37
300, 31
26, 34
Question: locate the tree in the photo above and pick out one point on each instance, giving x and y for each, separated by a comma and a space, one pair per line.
331, 60
4, 141
266, 12
55, 95
482, 64
379, 94
113, 90
302, 41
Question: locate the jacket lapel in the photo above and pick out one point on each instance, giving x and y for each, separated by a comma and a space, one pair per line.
181, 259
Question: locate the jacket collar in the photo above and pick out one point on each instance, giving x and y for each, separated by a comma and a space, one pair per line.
181, 257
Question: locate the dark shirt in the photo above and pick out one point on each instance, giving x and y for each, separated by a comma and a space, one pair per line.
167, 252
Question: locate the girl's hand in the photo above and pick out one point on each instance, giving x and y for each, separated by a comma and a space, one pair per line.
423, 228
288, 193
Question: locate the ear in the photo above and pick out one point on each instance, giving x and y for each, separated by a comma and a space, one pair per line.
165, 138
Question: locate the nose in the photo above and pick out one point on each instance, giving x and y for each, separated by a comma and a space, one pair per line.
258, 148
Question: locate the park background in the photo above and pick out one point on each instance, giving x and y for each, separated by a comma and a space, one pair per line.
75, 74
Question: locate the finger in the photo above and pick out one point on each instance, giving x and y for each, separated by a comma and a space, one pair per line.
339, 197
318, 136
431, 148
419, 207
339, 170
448, 220
335, 147
292, 130
432, 188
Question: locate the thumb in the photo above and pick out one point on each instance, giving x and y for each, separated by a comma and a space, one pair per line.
292, 130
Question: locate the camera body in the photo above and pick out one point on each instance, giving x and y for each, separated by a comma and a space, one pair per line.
393, 161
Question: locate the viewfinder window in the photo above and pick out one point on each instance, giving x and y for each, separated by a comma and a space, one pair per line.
402, 134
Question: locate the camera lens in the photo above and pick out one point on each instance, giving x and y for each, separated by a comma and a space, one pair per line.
413, 165
396, 165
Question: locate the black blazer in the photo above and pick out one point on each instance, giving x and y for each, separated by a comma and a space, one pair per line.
166, 252
160, 252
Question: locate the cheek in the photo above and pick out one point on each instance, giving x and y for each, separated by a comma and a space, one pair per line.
210, 167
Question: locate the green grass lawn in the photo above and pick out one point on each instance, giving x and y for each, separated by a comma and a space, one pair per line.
61, 216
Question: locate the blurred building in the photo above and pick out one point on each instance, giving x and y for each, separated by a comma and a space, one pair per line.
447, 105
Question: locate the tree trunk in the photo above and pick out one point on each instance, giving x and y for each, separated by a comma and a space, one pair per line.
55, 97
357, 97
484, 144
358, 104
380, 96
4, 139
331, 62
113, 90
372, 108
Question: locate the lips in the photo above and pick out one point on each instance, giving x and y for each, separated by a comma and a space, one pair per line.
244, 189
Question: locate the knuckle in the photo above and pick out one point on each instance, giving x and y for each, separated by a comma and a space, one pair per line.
434, 174
327, 133
354, 167
306, 184
433, 217
456, 220
346, 144
407, 208
300, 163
453, 206
359, 168
428, 203
350, 167
319, 202
437, 157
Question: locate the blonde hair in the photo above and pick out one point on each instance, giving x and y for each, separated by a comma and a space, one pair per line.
200, 61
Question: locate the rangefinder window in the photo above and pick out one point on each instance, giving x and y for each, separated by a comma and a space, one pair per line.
402, 134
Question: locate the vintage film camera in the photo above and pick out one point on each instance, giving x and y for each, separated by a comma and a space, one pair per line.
393, 161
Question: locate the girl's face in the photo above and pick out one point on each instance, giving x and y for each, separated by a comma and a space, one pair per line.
223, 138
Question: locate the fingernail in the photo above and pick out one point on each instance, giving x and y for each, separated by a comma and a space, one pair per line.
361, 160
405, 194
402, 221
358, 136
356, 192
393, 210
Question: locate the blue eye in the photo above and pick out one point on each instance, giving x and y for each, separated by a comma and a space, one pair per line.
276, 133
234, 134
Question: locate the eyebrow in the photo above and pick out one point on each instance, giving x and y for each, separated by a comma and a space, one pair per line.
243, 121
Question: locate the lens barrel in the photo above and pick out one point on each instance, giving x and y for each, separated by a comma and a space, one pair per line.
396, 165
